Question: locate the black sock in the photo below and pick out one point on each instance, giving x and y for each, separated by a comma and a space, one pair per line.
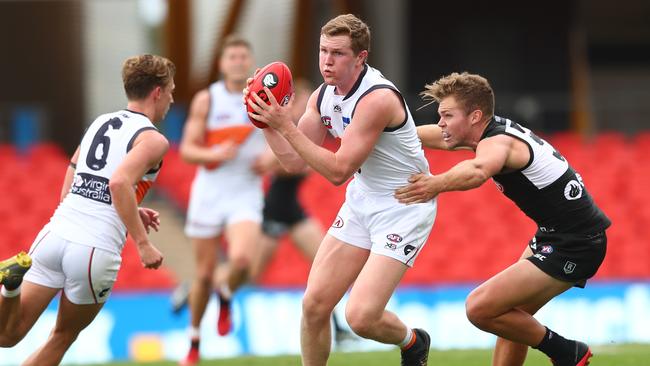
555, 346
194, 344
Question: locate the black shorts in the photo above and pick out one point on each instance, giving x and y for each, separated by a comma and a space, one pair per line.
569, 257
281, 207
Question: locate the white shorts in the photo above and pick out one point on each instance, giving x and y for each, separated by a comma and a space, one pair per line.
86, 274
210, 211
384, 226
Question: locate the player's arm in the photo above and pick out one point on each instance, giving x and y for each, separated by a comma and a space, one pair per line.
309, 125
373, 113
147, 152
431, 137
193, 149
491, 157
69, 174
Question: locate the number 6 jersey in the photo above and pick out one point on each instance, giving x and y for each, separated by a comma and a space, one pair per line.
87, 216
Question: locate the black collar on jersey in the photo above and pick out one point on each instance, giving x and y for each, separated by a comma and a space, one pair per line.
357, 83
488, 128
142, 114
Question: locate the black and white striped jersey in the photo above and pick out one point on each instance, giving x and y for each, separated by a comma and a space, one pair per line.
547, 189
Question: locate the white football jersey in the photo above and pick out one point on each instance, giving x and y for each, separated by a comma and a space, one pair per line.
87, 216
228, 120
397, 154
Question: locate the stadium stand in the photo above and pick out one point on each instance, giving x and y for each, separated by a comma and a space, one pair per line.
477, 233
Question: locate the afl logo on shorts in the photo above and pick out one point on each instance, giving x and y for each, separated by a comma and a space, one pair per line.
270, 80
394, 238
546, 249
338, 223
573, 190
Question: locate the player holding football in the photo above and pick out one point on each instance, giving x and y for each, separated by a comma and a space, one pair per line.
570, 242
226, 196
374, 239
79, 250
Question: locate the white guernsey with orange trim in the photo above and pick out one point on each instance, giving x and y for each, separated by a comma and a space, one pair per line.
231, 191
79, 250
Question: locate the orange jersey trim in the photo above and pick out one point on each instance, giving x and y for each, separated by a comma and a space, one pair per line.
237, 134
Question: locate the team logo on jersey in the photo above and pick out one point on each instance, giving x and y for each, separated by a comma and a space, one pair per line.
92, 187
394, 238
103, 292
573, 190
327, 121
346, 121
337, 109
270, 80
408, 249
546, 249
569, 267
338, 223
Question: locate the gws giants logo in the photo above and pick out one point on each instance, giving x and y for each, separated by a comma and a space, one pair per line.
338, 223
327, 121
408, 249
270, 80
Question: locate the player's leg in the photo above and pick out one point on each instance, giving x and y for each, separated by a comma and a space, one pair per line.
19, 313
71, 320
205, 258
365, 311
262, 256
508, 353
335, 267
307, 234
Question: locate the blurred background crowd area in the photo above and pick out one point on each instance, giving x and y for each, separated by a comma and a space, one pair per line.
577, 72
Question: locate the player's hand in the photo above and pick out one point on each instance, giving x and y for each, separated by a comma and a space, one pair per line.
422, 188
225, 151
150, 256
249, 81
272, 114
150, 218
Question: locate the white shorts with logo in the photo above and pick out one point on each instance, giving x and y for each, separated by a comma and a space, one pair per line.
212, 209
384, 226
86, 274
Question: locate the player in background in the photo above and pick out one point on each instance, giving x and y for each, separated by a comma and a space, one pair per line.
79, 250
226, 196
374, 239
570, 242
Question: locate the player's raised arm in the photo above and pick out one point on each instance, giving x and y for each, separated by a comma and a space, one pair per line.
147, 152
69, 174
431, 137
193, 148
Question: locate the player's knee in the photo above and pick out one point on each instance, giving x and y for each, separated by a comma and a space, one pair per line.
9, 340
314, 309
240, 262
477, 310
64, 336
361, 319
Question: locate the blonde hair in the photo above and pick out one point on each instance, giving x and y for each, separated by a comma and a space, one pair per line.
471, 91
141, 74
351, 26
234, 40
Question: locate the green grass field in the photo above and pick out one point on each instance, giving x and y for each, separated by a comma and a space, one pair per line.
626, 355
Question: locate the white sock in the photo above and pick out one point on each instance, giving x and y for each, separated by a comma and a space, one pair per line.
10, 293
194, 332
407, 340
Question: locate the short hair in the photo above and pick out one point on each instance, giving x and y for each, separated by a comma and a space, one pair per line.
234, 40
351, 26
141, 74
471, 91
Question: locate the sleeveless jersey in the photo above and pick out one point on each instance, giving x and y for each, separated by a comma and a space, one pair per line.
397, 154
547, 189
227, 119
86, 215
